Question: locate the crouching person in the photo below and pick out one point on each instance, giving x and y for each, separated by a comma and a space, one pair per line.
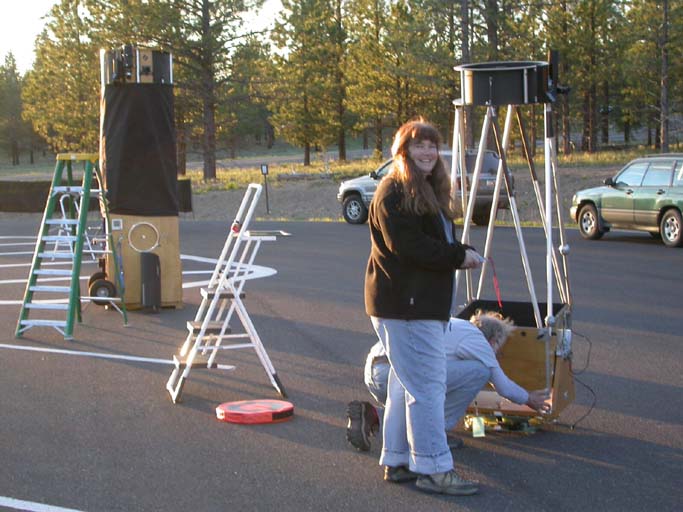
471, 349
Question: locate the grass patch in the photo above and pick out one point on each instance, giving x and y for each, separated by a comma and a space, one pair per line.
234, 179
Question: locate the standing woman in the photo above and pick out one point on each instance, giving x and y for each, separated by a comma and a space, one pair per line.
409, 284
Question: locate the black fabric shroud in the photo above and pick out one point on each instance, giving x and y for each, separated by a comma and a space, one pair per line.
137, 149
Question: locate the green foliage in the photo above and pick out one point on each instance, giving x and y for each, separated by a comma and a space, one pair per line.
332, 67
61, 93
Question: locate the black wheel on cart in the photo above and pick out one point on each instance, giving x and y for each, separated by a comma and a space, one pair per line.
102, 288
95, 277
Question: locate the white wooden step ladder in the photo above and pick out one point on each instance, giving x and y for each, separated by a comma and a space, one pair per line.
210, 331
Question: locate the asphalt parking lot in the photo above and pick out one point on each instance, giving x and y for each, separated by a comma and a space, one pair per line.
101, 434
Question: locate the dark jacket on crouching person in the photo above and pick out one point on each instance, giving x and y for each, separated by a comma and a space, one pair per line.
410, 270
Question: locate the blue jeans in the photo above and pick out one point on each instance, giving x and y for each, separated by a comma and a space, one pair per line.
464, 379
414, 432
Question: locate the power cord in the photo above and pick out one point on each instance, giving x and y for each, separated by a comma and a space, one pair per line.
588, 357
590, 409
579, 372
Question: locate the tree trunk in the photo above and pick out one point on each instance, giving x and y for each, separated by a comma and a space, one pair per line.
307, 154
566, 127
491, 13
604, 113
208, 97
468, 111
209, 138
664, 79
379, 149
585, 136
366, 142
627, 132
341, 90
15, 152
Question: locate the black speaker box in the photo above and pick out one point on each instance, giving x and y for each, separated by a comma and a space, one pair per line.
150, 281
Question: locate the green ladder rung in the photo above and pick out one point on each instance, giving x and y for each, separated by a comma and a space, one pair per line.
43, 323
62, 222
60, 238
57, 255
52, 289
52, 272
46, 305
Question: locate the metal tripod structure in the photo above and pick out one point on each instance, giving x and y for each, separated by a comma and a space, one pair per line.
556, 258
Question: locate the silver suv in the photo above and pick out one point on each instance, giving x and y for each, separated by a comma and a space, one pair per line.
355, 194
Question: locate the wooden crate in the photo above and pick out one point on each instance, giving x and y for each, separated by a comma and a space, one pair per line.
139, 234
528, 360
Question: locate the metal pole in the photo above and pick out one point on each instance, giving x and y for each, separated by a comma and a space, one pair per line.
520, 237
547, 115
496, 194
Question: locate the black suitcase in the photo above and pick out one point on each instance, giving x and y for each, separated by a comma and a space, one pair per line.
150, 280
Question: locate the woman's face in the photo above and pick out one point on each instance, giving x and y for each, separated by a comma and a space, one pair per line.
424, 153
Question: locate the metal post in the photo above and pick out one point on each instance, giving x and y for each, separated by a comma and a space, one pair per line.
264, 171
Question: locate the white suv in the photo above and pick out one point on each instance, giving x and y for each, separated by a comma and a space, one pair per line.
355, 194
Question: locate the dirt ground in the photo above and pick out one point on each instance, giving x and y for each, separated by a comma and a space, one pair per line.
316, 199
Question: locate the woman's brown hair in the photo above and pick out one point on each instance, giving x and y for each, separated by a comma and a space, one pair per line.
421, 194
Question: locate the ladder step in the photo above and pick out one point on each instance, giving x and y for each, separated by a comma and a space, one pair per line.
223, 294
211, 327
67, 190
57, 289
45, 323
52, 272
58, 255
200, 362
44, 305
60, 238
226, 347
62, 222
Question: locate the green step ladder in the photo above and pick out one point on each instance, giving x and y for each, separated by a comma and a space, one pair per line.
64, 224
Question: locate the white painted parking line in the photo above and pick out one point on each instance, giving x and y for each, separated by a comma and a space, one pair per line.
32, 506
21, 253
87, 354
18, 243
17, 237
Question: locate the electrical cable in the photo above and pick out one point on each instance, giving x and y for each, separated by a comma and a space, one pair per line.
590, 409
575, 373
588, 357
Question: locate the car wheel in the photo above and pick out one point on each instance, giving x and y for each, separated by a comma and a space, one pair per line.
354, 210
102, 288
670, 228
588, 223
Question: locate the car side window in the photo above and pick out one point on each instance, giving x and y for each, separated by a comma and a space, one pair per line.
678, 174
632, 176
659, 174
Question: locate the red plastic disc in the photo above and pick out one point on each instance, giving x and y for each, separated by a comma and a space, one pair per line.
255, 411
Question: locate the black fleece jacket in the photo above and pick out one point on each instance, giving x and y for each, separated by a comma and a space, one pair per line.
410, 270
